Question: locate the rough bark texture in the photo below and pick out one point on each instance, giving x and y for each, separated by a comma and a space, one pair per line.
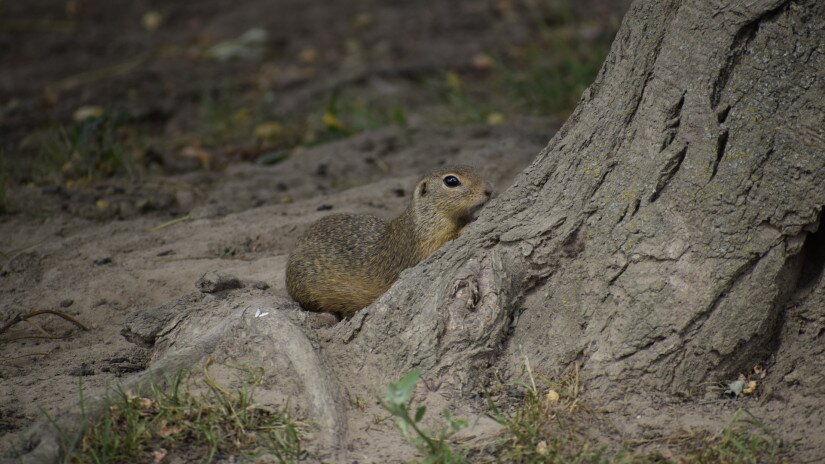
657, 238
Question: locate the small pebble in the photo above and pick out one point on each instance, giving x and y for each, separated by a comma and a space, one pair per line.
214, 281
66, 303
103, 260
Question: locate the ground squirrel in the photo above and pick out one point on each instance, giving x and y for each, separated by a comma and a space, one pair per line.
345, 261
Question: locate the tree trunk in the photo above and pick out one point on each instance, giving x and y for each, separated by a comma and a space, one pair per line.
659, 236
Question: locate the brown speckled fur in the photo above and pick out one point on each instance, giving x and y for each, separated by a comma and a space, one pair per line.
346, 261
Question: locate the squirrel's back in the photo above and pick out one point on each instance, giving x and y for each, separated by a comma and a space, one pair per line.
345, 261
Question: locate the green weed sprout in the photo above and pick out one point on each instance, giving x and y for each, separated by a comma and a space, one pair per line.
433, 445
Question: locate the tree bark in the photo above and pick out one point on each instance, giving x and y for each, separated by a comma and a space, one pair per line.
660, 234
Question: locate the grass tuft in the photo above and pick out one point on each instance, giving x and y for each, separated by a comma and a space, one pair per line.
552, 425
545, 428
175, 419
345, 115
746, 440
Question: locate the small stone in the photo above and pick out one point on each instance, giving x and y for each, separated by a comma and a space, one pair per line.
215, 281
324, 207
103, 260
66, 303
260, 285
166, 253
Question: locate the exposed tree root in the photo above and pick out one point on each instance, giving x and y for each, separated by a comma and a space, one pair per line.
264, 327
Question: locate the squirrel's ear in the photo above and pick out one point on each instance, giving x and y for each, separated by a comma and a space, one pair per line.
421, 190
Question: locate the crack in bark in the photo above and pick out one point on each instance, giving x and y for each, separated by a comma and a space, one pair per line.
674, 120
641, 348
738, 48
632, 115
721, 146
722, 114
651, 63
668, 171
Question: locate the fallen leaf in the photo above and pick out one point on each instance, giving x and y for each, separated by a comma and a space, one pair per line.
72, 8
84, 181
750, 387
241, 116
332, 121
250, 45
86, 112
552, 396
50, 95
495, 118
541, 448
483, 62
68, 165
268, 130
453, 80
760, 371
158, 455
193, 152
151, 20
363, 20
308, 55
146, 403
166, 431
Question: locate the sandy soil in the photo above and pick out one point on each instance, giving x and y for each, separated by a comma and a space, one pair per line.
101, 273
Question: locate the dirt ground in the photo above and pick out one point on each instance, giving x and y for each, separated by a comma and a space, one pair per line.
205, 191
101, 272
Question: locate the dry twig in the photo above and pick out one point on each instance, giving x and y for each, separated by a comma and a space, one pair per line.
25, 317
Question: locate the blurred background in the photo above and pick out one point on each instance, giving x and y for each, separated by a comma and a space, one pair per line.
107, 107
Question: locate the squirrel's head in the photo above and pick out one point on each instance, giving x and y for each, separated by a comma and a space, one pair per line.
453, 193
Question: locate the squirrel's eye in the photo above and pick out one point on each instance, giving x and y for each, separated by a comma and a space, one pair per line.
452, 181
